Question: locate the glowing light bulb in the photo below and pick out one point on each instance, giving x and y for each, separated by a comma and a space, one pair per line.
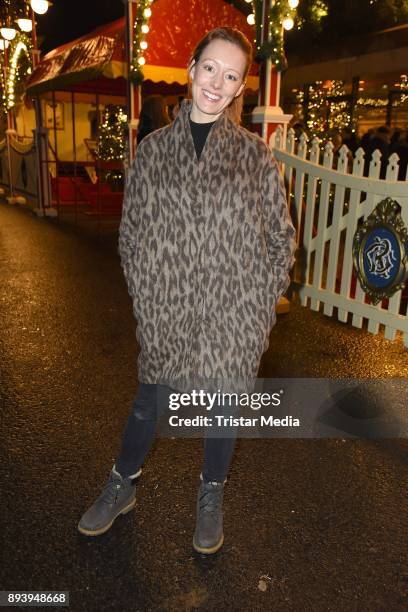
141, 61
293, 4
143, 44
147, 12
26, 25
39, 6
145, 28
251, 19
288, 23
8, 33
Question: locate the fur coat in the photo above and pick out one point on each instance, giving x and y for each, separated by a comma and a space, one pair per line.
206, 247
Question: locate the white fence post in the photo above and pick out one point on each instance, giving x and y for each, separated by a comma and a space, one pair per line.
338, 205
395, 301
310, 207
352, 216
321, 226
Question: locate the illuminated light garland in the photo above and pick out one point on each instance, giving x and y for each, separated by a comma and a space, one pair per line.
319, 9
16, 73
140, 29
20, 47
281, 16
403, 85
382, 102
378, 102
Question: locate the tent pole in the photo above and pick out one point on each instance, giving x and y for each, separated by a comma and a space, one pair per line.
133, 91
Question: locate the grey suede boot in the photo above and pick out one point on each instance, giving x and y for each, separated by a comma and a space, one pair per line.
117, 497
208, 535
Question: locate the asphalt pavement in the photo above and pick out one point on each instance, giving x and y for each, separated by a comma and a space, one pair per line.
310, 524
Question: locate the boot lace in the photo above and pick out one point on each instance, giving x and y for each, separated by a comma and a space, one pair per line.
111, 490
211, 501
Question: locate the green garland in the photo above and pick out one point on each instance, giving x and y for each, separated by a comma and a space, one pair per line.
272, 46
141, 24
21, 69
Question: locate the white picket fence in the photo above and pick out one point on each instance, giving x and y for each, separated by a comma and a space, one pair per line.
327, 203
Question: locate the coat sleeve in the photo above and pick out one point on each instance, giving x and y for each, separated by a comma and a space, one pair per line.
279, 231
130, 221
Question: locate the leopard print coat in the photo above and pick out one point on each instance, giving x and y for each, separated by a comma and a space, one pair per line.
206, 247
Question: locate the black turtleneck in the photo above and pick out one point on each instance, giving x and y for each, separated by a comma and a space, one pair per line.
199, 132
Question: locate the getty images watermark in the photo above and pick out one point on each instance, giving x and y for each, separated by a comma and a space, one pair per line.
284, 408
221, 401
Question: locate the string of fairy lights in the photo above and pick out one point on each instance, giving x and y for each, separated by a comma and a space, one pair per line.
140, 31
16, 46
403, 84
19, 67
269, 45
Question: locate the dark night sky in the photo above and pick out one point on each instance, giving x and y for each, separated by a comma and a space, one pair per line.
69, 19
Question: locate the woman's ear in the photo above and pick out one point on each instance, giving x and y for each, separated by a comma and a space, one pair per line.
191, 70
241, 87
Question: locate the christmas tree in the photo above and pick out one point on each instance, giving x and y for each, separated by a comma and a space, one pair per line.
111, 137
112, 144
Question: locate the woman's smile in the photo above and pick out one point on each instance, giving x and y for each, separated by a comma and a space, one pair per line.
212, 97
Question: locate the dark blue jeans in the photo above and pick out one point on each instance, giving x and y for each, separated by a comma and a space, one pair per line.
139, 434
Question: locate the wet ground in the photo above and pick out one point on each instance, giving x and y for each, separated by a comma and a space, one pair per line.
310, 525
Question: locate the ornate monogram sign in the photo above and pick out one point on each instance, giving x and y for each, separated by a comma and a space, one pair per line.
380, 251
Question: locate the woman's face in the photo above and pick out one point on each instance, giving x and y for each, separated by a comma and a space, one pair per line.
217, 78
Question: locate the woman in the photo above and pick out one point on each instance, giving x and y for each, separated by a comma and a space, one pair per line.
206, 246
